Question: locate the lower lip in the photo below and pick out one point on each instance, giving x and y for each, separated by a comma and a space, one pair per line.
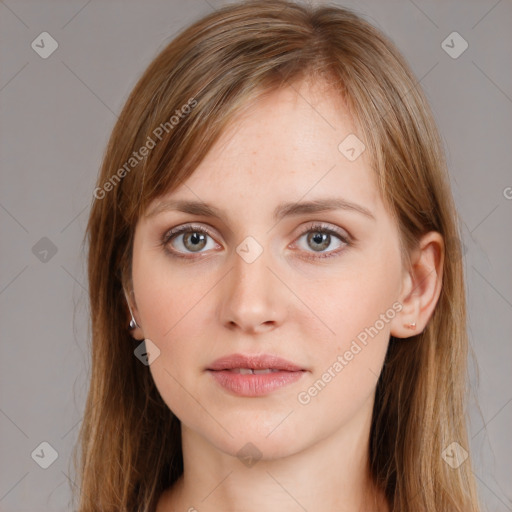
255, 384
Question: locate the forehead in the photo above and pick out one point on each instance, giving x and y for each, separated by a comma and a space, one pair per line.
284, 145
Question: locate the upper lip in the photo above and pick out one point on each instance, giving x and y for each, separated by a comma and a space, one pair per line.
254, 362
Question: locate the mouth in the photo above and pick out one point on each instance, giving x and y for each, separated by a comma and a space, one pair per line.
253, 362
254, 375
249, 371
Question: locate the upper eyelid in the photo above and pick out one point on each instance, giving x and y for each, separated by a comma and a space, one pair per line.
320, 225
186, 227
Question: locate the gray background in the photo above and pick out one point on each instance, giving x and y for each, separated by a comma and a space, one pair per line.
56, 116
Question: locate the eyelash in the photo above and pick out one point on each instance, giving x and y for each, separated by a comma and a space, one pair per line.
190, 228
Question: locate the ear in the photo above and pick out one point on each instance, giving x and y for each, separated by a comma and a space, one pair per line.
421, 286
132, 313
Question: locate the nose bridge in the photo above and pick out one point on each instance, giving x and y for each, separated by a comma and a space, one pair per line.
250, 299
250, 273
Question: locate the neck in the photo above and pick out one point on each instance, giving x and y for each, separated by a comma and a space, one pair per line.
332, 474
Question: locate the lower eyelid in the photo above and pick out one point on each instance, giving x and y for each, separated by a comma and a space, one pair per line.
344, 242
169, 236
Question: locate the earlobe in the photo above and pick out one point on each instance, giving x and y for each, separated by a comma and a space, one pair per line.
421, 288
133, 326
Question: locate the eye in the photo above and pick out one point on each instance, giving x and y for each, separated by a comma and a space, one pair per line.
188, 239
320, 237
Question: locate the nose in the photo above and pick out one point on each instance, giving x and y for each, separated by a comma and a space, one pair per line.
252, 298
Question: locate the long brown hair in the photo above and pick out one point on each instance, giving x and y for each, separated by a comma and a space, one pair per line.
130, 444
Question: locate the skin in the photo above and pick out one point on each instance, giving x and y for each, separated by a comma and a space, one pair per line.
314, 455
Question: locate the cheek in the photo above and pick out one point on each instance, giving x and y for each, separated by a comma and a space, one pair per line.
171, 302
356, 299
166, 294
357, 307
347, 364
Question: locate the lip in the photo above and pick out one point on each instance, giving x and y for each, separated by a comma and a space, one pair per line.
255, 362
283, 373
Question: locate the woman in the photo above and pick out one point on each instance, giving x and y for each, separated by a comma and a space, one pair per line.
276, 288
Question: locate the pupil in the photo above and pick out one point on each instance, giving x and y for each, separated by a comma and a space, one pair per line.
197, 240
320, 239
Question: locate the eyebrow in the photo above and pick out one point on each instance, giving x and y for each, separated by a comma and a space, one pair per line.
283, 210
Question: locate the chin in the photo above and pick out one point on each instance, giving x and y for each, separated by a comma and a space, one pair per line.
252, 448
265, 438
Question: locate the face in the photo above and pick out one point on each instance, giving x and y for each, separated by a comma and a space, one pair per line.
316, 287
